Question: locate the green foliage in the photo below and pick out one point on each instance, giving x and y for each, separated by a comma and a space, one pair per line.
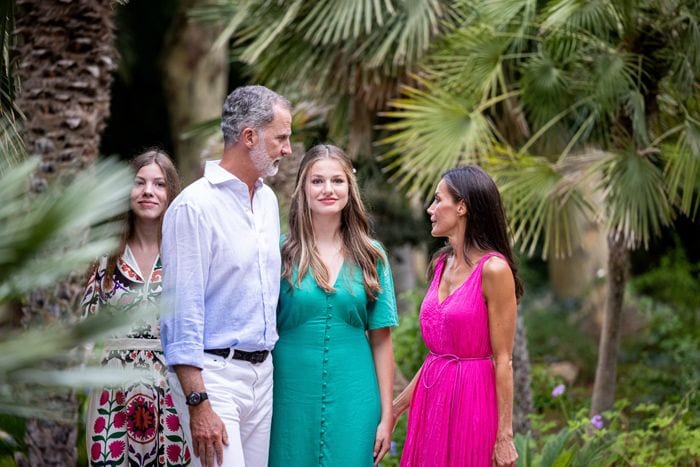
554, 334
564, 102
648, 434
409, 349
43, 238
668, 434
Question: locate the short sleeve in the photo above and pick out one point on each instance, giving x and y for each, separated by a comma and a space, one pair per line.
382, 311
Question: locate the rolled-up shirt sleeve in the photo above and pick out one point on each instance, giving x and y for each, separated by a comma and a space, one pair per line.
185, 254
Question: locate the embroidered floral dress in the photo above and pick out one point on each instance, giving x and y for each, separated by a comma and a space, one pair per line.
135, 425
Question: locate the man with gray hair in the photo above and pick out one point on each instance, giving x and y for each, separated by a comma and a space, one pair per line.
221, 263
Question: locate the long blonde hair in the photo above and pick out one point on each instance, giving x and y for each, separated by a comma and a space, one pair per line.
299, 248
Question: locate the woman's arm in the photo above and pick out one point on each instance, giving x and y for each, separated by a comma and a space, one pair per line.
498, 287
403, 400
383, 354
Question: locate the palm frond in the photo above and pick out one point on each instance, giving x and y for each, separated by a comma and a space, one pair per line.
682, 169
471, 61
544, 203
332, 21
634, 190
326, 48
636, 110
11, 144
408, 34
43, 238
684, 30
544, 85
434, 131
597, 17
504, 13
42, 243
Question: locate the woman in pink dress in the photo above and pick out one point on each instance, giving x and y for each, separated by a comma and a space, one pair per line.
460, 401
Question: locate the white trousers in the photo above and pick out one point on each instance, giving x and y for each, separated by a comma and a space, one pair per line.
241, 395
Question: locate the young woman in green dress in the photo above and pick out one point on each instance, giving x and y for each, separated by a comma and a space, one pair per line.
334, 363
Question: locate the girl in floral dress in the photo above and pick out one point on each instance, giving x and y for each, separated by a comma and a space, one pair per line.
136, 425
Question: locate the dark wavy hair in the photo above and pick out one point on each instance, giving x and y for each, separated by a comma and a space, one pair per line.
487, 228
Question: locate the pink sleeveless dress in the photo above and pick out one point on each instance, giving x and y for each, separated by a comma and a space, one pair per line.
453, 417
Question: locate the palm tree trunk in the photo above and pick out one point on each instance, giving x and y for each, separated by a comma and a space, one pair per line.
65, 58
196, 78
522, 406
606, 369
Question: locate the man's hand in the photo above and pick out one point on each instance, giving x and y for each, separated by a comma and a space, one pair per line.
208, 435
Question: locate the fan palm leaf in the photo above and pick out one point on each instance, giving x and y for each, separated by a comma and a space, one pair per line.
436, 131
43, 238
682, 169
544, 203
598, 17
44, 242
638, 205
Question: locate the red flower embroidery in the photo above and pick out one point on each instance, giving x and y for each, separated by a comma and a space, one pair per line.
116, 448
95, 451
141, 419
119, 419
104, 398
169, 400
99, 425
172, 422
187, 454
120, 398
173, 452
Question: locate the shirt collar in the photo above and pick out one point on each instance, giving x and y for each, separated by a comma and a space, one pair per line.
216, 175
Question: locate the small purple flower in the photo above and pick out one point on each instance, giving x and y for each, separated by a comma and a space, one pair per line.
558, 390
392, 449
597, 422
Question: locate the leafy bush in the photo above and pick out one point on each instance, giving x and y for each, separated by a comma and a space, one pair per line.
409, 349
648, 434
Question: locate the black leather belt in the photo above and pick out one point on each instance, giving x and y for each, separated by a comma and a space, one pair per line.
258, 356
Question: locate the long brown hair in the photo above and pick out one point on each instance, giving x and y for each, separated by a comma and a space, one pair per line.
172, 186
487, 228
299, 248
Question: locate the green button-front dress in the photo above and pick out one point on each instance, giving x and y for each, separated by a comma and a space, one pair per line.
326, 396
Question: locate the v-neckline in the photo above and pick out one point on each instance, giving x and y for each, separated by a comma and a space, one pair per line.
337, 277
442, 271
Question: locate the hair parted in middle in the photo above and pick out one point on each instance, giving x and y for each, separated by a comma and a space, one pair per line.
299, 248
172, 186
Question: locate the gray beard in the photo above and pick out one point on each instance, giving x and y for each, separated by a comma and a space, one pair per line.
262, 161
